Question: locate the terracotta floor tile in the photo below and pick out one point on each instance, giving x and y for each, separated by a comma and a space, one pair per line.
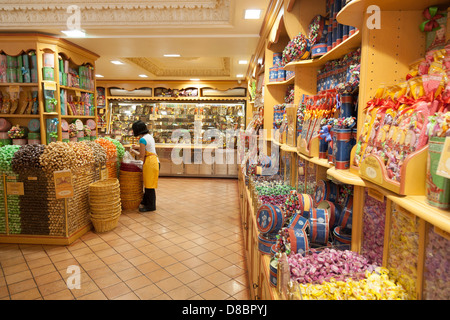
65, 294
148, 267
128, 296
232, 287
200, 285
30, 294
47, 278
217, 277
52, 287
107, 281
96, 295
181, 293
116, 290
21, 286
169, 284
158, 275
15, 268
214, 294
138, 282
187, 276
148, 292
129, 273
42, 270
18, 277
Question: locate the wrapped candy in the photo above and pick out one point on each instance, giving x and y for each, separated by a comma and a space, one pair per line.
17, 132
297, 49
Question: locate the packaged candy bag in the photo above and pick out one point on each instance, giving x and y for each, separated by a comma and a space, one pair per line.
369, 119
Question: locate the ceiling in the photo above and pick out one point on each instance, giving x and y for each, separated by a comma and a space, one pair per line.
211, 36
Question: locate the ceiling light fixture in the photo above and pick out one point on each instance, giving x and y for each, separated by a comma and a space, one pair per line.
143, 76
99, 76
171, 55
242, 61
74, 33
240, 75
116, 62
195, 79
252, 14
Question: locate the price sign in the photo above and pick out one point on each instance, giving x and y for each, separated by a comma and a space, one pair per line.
63, 184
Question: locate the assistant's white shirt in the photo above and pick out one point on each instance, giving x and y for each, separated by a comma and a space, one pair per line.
149, 143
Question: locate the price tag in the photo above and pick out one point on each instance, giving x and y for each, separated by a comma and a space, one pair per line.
63, 184
50, 86
15, 188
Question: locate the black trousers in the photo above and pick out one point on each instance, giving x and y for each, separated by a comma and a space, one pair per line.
149, 199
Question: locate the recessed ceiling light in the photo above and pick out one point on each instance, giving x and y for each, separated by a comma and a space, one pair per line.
143, 76
240, 75
195, 79
116, 62
242, 61
99, 76
171, 55
252, 14
74, 33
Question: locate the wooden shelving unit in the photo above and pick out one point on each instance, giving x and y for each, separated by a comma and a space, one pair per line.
386, 55
15, 44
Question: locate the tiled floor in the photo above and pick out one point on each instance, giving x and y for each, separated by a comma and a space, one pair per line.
189, 248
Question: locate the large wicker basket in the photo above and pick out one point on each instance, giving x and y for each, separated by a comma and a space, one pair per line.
105, 204
131, 188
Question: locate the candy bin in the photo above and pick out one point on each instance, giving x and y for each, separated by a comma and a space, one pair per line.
374, 214
403, 249
437, 268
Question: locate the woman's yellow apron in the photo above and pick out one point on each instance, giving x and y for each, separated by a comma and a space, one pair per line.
150, 171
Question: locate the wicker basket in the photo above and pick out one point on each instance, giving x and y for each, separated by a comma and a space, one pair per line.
130, 204
106, 224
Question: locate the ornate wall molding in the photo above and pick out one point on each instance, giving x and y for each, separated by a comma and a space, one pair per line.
154, 68
35, 14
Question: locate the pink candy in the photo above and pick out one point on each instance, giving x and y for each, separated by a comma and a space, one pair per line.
326, 264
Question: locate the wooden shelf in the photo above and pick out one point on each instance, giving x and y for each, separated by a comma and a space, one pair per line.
418, 206
18, 115
337, 52
77, 117
280, 83
20, 84
76, 89
345, 176
353, 13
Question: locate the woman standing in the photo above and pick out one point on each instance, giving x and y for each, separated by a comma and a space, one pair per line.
147, 153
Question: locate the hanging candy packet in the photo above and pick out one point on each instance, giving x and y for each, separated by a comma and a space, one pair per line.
369, 118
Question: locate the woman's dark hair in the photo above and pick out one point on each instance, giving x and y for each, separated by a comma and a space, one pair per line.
139, 127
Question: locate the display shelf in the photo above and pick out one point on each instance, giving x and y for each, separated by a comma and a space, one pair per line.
418, 206
7, 115
345, 47
281, 83
353, 13
77, 117
273, 292
345, 176
20, 84
76, 89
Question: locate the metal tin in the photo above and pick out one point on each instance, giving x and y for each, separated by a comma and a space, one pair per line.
269, 218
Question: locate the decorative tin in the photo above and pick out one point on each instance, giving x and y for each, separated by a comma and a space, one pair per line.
265, 242
342, 146
319, 226
306, 202
345, 217
334, 212
269, 218
298, 240
299, 222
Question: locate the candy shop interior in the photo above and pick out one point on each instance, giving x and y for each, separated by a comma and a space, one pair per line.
332, 148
